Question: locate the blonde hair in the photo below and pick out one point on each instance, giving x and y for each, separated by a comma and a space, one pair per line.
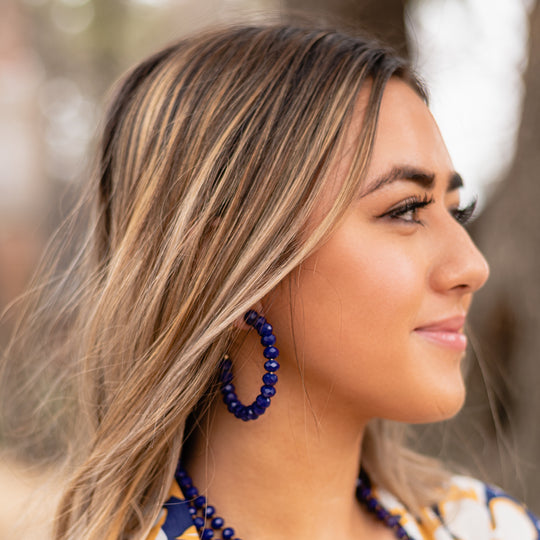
212, 162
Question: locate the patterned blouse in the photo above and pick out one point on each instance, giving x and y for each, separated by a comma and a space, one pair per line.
471, 510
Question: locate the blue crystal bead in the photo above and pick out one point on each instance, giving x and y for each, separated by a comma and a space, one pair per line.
250, 414
268, 391
209, 511
265, 329
191, 492
226, 377
218, 522
365, 492
239, 410
257, 409
227, 533
270, 352
206, 534
198, 522
268, 340
228, 388
226, 365
192, 510
250, 317
270, 379
200, 501
259, 323
229, 398
271, 365
263, 401
392, 521
233, 405
186, 482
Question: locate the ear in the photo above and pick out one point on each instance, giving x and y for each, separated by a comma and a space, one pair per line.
241, 324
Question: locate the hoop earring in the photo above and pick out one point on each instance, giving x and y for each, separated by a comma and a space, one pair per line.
269, 379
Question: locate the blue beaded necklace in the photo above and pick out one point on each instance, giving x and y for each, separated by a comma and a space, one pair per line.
365, 495
209, 525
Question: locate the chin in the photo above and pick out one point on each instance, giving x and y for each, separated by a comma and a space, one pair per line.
442, 406
440, 394
426, 409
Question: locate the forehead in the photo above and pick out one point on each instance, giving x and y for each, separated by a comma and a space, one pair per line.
406, 132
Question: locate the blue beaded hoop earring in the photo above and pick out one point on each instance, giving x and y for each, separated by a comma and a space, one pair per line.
262, 401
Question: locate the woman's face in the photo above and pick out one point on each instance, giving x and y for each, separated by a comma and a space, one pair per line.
377, 311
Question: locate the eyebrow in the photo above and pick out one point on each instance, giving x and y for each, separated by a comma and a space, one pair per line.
421, 177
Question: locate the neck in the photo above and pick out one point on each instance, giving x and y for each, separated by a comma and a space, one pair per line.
291, 473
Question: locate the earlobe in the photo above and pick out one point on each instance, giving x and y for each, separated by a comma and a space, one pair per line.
241, 324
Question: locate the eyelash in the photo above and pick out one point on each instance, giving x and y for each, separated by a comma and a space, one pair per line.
464, 215
412, 204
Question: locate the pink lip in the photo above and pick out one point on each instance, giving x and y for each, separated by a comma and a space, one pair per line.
447, 333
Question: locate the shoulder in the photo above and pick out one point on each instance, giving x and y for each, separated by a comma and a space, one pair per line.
473, 510
469, 510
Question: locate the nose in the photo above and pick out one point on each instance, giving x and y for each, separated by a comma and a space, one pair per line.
460, 265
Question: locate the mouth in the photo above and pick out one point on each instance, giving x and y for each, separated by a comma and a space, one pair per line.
446, 333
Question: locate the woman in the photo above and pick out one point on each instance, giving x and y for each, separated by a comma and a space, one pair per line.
286, 186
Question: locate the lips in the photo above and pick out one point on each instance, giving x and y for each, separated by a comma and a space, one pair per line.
446, 333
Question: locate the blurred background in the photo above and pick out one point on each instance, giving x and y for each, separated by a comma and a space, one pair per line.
481, 62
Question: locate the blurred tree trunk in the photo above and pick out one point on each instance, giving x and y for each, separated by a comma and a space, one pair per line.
505, 318
384, 19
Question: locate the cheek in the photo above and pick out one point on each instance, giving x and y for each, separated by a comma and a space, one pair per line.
367, 285
354, 303
354, 306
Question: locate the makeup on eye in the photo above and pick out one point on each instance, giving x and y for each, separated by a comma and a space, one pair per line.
464, 215
407, 210
410, 206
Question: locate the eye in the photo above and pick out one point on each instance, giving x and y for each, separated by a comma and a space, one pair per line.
407, 210
464, 215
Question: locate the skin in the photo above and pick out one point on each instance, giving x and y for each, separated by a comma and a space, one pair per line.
346, 325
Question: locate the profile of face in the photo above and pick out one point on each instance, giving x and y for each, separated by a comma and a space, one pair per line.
374, 318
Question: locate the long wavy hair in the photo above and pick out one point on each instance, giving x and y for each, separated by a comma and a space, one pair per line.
212, 162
